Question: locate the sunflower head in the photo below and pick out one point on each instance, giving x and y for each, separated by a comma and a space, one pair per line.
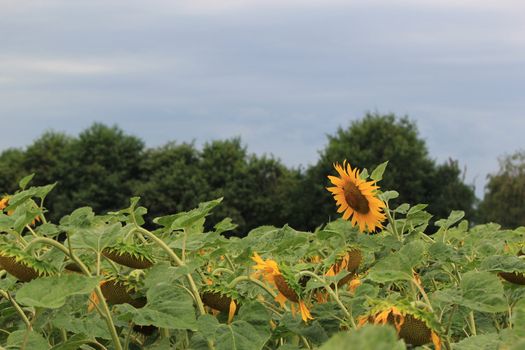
357, 198
222, 299
267, 268
131, 255
414, 325
22, 265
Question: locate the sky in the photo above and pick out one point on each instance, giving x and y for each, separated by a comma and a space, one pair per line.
281, 74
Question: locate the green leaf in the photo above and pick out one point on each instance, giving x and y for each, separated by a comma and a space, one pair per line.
454, 217
48, 230
388, 195
518, 318
73, 343
377, 174
368, 337
207, 325
23, 183
479, 342
225, 225
482, 291
503, 263
417, 208
51, 292
91, 324
403, 208
97, 236
168, 307
398, 266
185, 220
241, 335
23, 340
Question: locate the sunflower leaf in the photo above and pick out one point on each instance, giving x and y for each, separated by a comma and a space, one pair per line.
377, 174
369, 337
51, 292
482, 291
23, 339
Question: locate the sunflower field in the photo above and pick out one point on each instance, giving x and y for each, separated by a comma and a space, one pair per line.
373, 279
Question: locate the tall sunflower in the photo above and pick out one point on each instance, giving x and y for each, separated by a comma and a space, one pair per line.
356, 198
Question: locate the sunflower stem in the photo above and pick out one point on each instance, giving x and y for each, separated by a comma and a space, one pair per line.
472, 323
222, 269
330, 291
85, 270
233, 283
418, 285
32, 231
17, 307
229, 260
184, 239
392, 222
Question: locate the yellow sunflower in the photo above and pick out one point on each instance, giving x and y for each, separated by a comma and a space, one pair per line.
4, 202
269, 269
356, 198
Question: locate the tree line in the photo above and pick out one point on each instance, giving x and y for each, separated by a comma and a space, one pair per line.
103, 167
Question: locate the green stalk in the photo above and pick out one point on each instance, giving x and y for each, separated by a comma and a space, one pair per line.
472, 323
333, 294
85, 270
233, 283
17, 308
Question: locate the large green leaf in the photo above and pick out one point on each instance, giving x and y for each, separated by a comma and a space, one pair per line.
168, 307
91, 324
97, 237
51, 292
250, 330
518, 318
398, 266
23, 340
482, 291
479, 342
369, 337
239, 335
504, 263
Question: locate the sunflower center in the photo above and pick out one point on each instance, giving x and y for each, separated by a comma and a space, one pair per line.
355, 198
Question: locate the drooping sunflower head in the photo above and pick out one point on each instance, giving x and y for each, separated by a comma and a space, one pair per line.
357, 198
222, 299
414, 325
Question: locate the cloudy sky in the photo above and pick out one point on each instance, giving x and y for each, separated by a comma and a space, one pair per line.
282, 74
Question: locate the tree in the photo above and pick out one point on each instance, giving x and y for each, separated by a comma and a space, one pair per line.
369, 142
102, 165
11, 170
255, 189
46, 158
504, 200
172, 179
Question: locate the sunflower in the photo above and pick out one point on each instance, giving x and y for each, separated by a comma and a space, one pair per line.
412, 325
269, 269
356, 198
4, 202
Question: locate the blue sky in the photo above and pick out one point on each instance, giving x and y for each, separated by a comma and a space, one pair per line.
280, 74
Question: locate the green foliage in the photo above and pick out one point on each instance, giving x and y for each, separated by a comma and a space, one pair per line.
367, 338
445, 287
504, 200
